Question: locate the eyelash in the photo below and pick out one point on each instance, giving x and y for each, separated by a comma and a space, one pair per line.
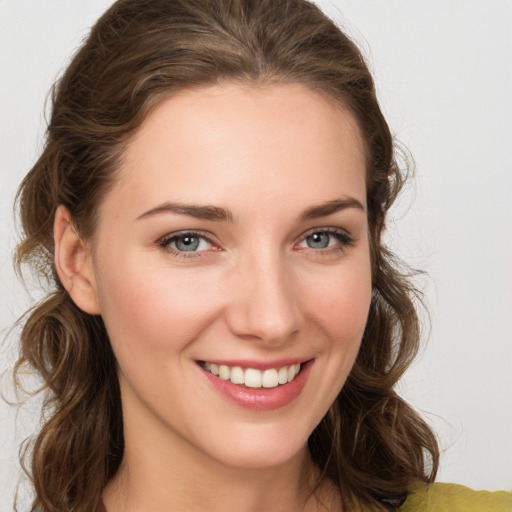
343, 238
165, 242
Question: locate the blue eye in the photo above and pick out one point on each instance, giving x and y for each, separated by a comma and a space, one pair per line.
319, 240
186, 242
326, 239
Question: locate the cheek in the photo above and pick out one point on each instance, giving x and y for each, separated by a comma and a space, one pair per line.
151, 311
341, 303
338, 311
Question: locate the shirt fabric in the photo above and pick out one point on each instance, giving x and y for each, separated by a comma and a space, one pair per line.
447, 498
442, 497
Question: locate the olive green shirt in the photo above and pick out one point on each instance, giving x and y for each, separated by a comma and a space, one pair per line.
456, 498
448, 498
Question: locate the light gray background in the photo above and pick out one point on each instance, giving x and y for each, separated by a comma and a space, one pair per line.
444, 74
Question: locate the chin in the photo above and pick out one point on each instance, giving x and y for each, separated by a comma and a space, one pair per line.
260, 446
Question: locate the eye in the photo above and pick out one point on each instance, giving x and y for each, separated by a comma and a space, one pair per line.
186, 242
326, 239
319, 240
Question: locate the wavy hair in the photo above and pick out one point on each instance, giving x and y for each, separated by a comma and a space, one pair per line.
371, 444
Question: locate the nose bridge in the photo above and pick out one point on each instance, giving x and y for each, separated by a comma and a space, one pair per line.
265, 304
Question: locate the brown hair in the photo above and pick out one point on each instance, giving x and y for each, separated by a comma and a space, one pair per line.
371, 443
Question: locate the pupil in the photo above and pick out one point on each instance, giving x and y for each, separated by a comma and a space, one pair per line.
318, 240
187, 243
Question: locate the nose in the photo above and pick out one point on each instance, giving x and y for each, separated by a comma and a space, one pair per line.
264, 301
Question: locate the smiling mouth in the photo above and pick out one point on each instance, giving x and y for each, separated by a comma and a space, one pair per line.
251, 377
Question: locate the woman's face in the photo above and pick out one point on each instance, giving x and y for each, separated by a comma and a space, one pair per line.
235, 241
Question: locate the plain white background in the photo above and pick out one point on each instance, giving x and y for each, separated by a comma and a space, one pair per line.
444, 75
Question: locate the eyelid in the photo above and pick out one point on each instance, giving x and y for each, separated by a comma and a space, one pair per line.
345, 239
325, 229
165, 241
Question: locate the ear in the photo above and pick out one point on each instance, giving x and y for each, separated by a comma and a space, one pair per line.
73, 263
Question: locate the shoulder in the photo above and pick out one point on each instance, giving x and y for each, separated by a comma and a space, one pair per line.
456, 498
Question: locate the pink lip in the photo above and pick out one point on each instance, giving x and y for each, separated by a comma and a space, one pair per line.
259, 365
261, 399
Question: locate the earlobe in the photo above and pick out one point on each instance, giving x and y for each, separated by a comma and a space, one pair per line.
73, 263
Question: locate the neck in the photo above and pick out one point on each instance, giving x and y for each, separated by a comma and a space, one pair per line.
160, 478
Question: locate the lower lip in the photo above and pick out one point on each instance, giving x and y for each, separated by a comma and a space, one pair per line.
261, 399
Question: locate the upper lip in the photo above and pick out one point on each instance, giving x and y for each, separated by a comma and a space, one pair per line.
258, 364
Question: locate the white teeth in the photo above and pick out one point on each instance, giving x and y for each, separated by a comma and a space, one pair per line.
253, 378
291, 372
282, 376
237, 375
224, 372
269, 379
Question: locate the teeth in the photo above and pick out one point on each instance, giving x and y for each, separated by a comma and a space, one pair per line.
291, 373
282, 375
224, 372
237, 375
253, 378
269, 379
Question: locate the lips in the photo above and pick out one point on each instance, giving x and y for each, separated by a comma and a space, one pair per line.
252, 377
255, 385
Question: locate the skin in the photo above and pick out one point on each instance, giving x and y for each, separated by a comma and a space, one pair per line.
255, 290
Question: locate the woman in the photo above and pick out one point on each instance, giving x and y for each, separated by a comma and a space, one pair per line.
226, 327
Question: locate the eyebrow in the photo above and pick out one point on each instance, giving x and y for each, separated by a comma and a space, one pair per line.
204, 212
215, 213
330, 207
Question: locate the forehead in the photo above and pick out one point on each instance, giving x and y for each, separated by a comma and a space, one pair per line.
211, 143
